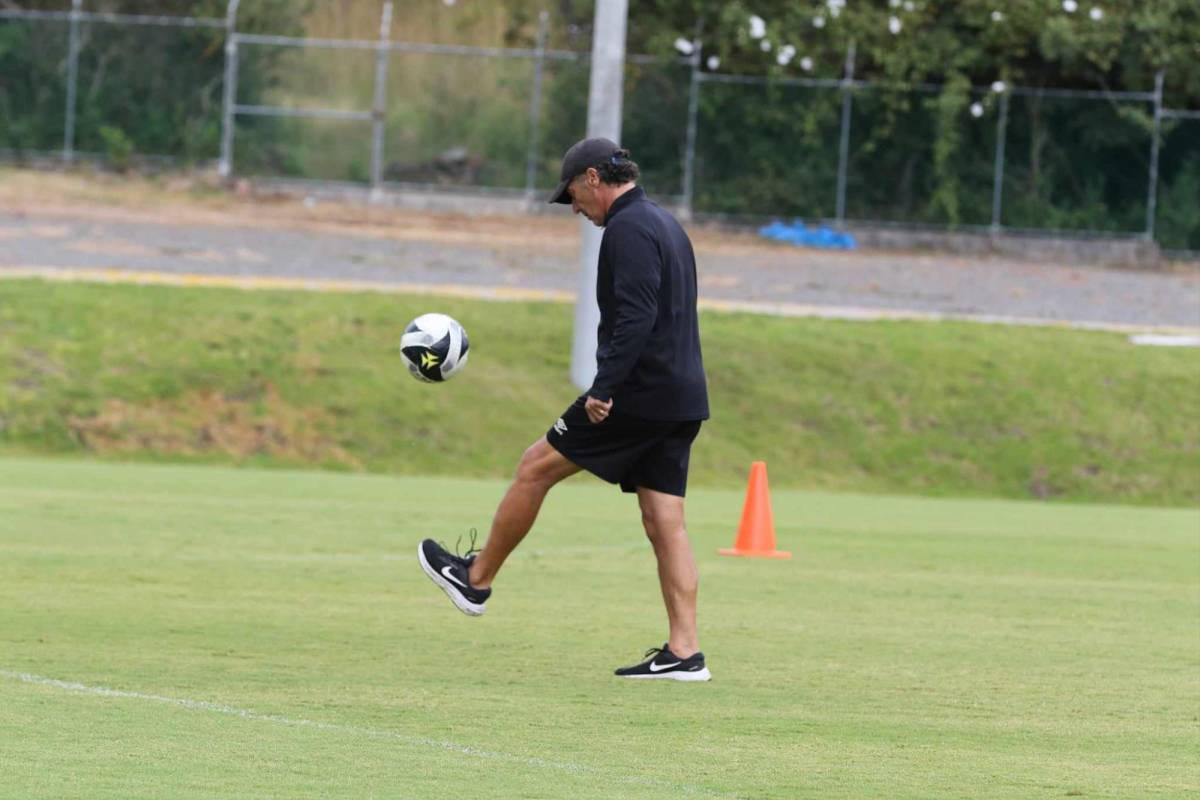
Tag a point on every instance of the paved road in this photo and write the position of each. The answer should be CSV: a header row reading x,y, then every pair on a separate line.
x,y
540,253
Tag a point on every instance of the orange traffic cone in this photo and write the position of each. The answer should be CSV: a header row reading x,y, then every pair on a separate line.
x,y
756,534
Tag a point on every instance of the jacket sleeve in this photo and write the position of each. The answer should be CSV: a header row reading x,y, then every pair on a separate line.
x,y
637,275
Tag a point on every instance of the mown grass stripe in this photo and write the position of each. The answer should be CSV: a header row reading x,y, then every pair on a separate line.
x,y
518,294
357,730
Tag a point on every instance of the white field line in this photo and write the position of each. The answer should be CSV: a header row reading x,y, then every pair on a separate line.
x,y
373,733
512,293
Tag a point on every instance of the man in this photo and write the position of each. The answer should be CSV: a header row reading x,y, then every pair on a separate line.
x,y
636,424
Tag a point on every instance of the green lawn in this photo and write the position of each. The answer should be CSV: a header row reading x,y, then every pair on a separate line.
x,y
251,634
275,378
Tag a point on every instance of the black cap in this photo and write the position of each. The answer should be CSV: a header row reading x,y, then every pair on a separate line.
x,y
583,154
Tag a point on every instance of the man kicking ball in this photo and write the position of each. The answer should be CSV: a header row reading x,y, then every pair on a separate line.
x,y
636,424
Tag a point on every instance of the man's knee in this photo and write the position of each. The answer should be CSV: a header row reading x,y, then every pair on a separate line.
x,y
541,466
650,524
661,519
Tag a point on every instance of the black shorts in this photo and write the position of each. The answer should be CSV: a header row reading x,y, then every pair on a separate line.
x,y
631,451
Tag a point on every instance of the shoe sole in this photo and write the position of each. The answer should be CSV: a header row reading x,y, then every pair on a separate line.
x,y
699,675
461,603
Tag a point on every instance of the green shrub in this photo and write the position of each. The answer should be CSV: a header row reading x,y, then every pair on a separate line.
x,y
118,147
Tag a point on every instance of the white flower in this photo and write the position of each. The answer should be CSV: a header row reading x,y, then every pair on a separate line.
x,y
684,46
895,25
765,45
910,6
894,3
758,28
976,110
785,55
818,22
997,16
834,11
999,87
806,64
1070,6
449,2
713,62
1096,13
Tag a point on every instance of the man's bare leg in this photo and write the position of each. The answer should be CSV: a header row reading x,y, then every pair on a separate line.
x,y
662,517
540,469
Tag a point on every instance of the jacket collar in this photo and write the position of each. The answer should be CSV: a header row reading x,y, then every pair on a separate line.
x,y
624,201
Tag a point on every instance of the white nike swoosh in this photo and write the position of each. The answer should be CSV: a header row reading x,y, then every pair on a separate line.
x,y
660,667
449,577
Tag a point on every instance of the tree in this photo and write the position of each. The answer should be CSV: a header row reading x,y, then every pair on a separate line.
x,y
149,90
916,154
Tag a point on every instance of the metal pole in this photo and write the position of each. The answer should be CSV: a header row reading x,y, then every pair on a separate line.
x,y
535,106
72,82
998,175
604,119
379,111
1152,196
844,143
231,70
689,147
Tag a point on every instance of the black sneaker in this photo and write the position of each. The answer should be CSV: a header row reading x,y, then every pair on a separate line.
x,y
452,572
662,663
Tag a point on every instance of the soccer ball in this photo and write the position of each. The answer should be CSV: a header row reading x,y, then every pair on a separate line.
x,y
434,348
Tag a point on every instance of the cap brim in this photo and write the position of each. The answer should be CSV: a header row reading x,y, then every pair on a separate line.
x,y
561,195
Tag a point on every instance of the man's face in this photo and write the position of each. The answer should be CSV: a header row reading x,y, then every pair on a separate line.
x,y
585,199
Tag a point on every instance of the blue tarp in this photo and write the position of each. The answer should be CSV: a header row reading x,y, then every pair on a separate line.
x,y
797,233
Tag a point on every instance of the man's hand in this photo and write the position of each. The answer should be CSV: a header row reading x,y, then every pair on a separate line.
x,y
597,411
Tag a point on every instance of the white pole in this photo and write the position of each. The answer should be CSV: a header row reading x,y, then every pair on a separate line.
x,y
535,107
844,140
689,144
604,119
72,82
379,107
1152,197
230,89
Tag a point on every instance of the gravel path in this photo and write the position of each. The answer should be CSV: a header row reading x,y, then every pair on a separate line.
x,y
542,253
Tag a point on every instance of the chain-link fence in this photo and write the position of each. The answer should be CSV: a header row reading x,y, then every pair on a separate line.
x,y
833,149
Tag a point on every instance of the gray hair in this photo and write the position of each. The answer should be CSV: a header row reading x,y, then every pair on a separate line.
x,y
618,169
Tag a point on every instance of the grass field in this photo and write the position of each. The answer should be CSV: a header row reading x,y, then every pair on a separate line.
x,y
314,379
189,631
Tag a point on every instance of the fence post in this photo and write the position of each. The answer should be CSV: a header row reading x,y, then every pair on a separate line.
x,y
844,143
535,106
379,110
998,176
689,147
1152,197
231,70
72,82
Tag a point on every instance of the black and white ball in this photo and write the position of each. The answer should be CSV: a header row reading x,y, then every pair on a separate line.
x,y
434,348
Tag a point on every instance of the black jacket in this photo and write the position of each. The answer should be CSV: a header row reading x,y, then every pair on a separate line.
x,y
648,352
